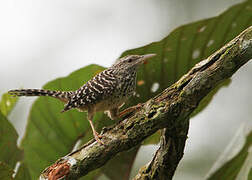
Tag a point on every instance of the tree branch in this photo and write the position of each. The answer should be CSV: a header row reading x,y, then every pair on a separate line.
x,y
169,109
167,157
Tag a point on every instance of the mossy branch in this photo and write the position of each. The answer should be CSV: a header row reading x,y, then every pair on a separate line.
x,y
170,110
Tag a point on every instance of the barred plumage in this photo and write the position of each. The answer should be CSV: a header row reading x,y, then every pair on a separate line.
x,y
61,95
95,90
107,91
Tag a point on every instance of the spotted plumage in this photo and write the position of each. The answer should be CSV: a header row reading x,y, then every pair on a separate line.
x,y
107,91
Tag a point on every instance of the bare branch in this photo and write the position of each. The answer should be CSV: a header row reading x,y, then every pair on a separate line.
x,y
170,109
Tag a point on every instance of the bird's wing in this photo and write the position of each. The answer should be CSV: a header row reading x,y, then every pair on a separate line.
x,y
95,90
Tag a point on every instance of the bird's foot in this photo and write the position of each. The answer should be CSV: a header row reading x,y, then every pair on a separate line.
x,y
98,138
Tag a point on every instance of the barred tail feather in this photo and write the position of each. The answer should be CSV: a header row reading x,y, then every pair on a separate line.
x,y
62,95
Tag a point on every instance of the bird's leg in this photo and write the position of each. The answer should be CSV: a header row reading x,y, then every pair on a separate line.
x,y
96,134
113,113
130,109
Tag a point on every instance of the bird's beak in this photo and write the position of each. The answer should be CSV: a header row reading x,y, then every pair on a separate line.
x,y
147,56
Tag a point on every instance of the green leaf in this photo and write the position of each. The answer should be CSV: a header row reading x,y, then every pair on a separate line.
x,y
93,175
7,103
186,46
10,153
235,162
51,134
120,166
5,172
23,173
250,174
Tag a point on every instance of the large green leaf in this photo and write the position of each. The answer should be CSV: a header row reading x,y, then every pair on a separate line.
x,y
186,46
10,153
5,172
120,166
23,173
235,162
50,134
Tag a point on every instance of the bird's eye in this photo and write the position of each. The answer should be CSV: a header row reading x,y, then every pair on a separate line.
x,y
130,60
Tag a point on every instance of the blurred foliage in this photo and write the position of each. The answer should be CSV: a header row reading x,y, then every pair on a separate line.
x,y
240,166
23,173
5,171
120,166
51,135
7,103
9,152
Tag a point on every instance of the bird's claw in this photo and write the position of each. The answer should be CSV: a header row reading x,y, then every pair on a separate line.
x,y
98,138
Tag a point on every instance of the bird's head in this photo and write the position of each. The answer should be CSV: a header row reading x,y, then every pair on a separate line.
x,y
132,61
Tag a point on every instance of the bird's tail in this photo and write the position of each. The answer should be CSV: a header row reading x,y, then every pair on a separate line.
x,y
61,95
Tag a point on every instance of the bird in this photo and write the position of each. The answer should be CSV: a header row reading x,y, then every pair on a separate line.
x,y
107,91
